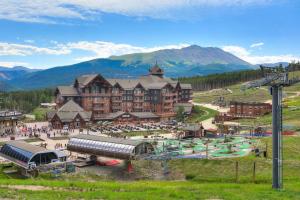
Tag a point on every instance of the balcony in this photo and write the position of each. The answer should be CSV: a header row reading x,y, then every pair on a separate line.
x,y
168,107
168,100
96,94
168,94
98,108
138,94
116,100
116,107
138,100
117,94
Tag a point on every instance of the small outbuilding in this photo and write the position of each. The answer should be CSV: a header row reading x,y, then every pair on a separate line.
x,y
109,147
193,130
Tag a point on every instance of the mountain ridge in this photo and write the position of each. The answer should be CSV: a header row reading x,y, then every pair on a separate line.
x,y
189,61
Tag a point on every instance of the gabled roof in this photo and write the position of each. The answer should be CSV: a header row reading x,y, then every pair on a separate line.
x,y
185,86
70,106
142,115
124,83
157,85
85,79
69,111
192,127
113,115
67,91
156,70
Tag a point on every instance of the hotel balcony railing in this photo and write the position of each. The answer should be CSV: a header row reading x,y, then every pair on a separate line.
x,y
168,94
138,100
98,108
168,100
116,107
168,107
96,94
138,94
116,94
116,100
139,107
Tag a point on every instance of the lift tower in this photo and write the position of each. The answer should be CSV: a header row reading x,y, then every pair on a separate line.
x,y
276,78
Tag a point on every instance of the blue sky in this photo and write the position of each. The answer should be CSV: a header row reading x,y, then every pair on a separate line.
x,y
48,33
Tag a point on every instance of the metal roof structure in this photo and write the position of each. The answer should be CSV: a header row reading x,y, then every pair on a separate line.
x,y
109,147
24,154
8,115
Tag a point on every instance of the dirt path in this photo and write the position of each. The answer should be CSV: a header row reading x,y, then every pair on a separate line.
x,y
207,124
27,187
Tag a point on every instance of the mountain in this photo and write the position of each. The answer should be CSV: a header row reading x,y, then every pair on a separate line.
x,y
7,73
191,55
189,61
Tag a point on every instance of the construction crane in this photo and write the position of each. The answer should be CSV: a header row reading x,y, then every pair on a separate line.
x,y
276,78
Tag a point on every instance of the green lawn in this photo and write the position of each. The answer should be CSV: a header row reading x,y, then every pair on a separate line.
x,y
151,190
201,113
40,113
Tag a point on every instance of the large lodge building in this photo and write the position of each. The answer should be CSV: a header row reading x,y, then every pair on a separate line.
x,y
148,98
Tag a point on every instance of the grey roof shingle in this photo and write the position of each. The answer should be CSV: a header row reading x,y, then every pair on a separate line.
x,y
157,85
85,79
192,127
70,106
124,83
186,86
67,91
69,111
142,115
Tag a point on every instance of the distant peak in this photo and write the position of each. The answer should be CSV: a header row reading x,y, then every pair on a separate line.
x,y
193,46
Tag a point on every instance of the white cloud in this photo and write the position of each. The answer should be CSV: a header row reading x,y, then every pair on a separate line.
x,y
29,41
103,49
259,44
95,49
13,64
100,49
12,49
254,59
44,11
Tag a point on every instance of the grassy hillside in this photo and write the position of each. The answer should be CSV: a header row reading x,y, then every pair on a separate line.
x,y
234,93
201,113
206,179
